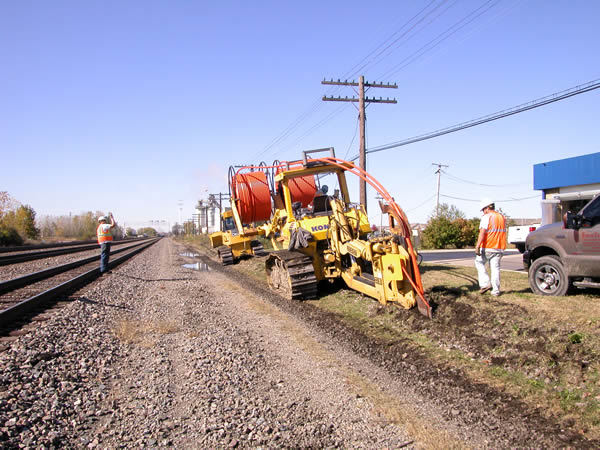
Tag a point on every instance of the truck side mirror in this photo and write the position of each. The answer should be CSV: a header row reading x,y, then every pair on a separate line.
x,y
573,221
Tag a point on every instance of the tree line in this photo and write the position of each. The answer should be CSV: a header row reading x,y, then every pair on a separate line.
x,y
18,223
447,226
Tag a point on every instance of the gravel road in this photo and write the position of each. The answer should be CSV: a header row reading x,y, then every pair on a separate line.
x,y
157,355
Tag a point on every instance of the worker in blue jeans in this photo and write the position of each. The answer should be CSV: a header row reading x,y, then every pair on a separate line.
x,y
104,239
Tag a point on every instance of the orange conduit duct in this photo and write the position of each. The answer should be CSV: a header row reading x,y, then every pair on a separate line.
x,y
363,175
387,197
253,196
302,189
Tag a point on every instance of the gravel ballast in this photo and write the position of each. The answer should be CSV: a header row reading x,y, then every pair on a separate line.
x,y
158,355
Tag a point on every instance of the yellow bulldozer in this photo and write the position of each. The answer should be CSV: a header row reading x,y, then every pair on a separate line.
x,y
235,240
319,237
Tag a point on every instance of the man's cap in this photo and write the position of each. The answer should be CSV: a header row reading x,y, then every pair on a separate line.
x,y
101,218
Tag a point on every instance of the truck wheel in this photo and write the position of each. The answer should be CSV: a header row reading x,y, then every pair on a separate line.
x,y
547,276
520,247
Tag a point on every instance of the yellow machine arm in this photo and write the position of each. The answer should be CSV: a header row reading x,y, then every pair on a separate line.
x,y
386,256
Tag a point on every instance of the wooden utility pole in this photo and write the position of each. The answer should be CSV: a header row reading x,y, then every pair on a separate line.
x,y
439,174
362,101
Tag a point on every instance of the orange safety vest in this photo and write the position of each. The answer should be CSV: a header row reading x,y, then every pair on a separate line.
x,y
496,232
103,236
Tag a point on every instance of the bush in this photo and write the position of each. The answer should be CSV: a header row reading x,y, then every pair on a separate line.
x,y
468,232
9,236
441,233
447,227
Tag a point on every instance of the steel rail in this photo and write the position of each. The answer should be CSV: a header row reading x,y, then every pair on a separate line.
x,y
22,248
15,283
10,315
22,257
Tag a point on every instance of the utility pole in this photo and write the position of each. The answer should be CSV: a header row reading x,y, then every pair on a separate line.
x,y
222,196
439,174
362,101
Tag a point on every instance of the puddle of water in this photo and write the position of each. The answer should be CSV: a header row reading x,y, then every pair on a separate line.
x,y
203,267
189,255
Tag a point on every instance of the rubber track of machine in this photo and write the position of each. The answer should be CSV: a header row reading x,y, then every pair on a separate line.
x,y
225,255
301,272
258,249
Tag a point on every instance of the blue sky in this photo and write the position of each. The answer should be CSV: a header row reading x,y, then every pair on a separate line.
x,y
135,106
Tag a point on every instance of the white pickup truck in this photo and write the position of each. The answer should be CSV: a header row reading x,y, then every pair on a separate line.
x,y
518,234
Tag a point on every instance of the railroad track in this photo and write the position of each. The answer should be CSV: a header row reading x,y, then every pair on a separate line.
x,y
30,293
14,255
21,248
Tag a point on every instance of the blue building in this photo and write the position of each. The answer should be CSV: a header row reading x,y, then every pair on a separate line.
x,y
566,184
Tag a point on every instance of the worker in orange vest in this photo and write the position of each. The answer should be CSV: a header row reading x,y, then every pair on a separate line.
x,y
491,244
104,239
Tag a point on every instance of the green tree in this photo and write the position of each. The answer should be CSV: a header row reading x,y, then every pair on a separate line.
x,y
447,227
22,219
149,231
9,236
450,212
469,230
26,222
440,232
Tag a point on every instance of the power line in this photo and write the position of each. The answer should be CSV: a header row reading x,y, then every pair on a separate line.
x,y
374,60
476,200
496,15
317,126
311,110
353,137
457,26
421,204
562,95
290,128
452,177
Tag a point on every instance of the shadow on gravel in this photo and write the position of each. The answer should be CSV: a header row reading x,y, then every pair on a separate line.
x,y
94,302
155,279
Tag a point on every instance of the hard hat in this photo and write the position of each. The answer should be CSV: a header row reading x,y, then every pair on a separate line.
x,y
101,218
485,202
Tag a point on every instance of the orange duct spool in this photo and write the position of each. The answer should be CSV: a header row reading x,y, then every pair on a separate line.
x,y
254,198
302,189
